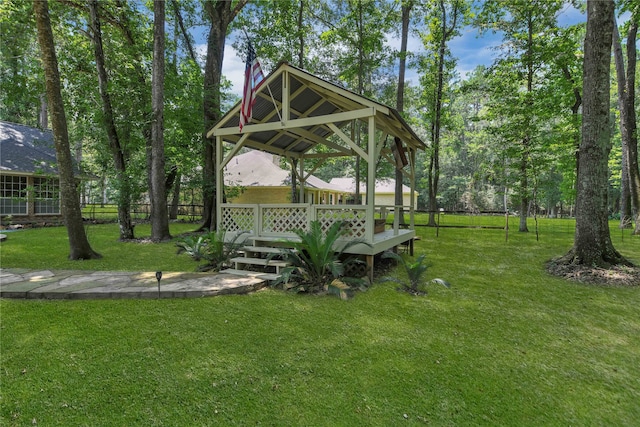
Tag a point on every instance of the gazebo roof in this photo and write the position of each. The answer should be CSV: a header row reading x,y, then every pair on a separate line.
x,y
310,110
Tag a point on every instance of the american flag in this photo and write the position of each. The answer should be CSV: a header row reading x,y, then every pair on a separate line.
x,y
253,78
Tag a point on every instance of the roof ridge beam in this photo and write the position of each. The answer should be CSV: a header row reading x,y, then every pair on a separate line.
x,y
307,121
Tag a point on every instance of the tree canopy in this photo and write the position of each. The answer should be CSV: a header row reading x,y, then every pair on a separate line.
x,y
505,136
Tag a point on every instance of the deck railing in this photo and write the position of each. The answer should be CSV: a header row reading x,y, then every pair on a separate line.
x,y
284,219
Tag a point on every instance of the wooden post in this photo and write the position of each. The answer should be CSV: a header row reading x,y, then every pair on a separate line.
x,y
219,174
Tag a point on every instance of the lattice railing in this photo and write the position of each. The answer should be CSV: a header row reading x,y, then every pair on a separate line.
x,y
354,219
238,218
284,219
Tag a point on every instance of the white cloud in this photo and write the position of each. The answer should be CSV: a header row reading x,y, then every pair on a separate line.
x,y
233,68
414,44
232,65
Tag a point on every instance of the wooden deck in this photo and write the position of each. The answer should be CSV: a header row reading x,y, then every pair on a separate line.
x,y
266,225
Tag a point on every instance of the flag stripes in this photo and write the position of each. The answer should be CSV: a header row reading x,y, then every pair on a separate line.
x,y
253,78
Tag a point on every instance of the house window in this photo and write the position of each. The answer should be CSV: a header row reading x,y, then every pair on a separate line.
x,y
46,196
13,195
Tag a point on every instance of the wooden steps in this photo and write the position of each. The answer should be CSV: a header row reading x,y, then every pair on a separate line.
x,y
254,250
263,258
263,262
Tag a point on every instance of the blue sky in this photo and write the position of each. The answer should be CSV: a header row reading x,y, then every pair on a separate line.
x,y
470,48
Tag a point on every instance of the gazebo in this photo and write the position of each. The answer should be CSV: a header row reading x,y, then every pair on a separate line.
x,y
306,119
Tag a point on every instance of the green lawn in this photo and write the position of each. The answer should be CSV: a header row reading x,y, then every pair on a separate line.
x,y
506,345
48,248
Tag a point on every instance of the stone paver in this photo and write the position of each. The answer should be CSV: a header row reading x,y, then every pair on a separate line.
x,y
65,284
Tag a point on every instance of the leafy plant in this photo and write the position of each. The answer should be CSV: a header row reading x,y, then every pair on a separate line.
x,y
193,246
316,263
415,270
212,248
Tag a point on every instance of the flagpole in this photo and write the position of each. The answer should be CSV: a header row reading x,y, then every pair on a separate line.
x,y
275,104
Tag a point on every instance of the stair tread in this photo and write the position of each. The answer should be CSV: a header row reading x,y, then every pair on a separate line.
x,y
260,261
256,274
262,249
279,240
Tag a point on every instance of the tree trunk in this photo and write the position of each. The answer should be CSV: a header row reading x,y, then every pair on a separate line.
x,y
626,214
399,176
527,140
625,194
575,109
524,199
632,144
434,163
79,247
592,243
301,33
175,200
157,189
119,159
294,181
43,119
220,16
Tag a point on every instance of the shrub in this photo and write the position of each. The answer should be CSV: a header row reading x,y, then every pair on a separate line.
x,y
414,284
316,264
212,248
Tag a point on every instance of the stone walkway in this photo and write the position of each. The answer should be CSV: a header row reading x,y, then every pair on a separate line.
x,y
76,284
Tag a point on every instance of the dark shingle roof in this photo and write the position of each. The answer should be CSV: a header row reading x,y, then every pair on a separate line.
x,y
24,149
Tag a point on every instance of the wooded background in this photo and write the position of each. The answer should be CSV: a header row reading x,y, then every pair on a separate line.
x,y
503,137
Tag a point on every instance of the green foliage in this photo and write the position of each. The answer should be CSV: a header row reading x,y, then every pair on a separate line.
x,y
22,81
211,247
317,259
194,246
415,283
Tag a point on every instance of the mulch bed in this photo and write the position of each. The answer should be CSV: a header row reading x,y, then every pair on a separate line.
x,y
612,276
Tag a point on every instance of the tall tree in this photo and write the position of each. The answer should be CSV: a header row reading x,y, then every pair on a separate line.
x,y
282,31
626,77
517,105
220,14
183,87
70,203
406,7
592,243
355,39
445,18
157,179
117,150
566,93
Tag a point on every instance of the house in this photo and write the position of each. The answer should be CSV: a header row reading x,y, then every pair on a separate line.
x,y
256,177
385,191
302,117
29,184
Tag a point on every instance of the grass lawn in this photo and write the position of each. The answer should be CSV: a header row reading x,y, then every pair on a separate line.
x,y
48,248
506,345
